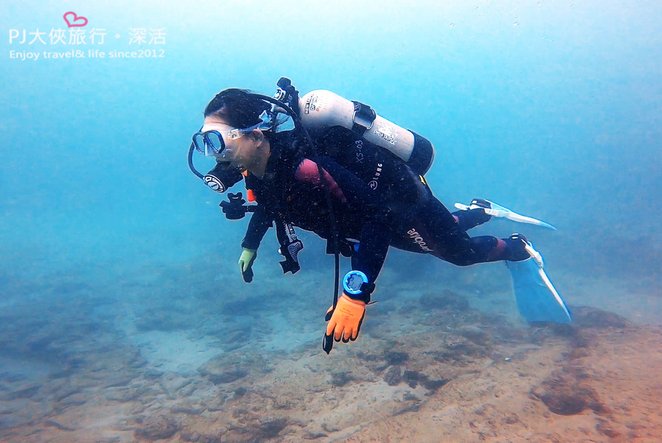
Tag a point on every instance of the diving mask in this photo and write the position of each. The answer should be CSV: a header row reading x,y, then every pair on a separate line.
x,y
212,143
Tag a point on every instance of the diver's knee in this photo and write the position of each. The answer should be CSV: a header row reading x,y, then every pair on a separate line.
x,y
483,245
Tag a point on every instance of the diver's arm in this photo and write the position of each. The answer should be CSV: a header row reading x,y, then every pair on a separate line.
x,y
257,227
347,187
346,315
373,246
375,232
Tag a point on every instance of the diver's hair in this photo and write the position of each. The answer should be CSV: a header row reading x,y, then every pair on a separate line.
x,y
237,107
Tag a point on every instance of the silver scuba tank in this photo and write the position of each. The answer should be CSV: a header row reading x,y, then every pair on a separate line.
x,y
321,109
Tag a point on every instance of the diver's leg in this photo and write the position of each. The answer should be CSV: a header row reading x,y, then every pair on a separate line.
x,y
443,235
537,299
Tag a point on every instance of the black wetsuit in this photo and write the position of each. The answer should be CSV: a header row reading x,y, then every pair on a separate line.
x,y
377,200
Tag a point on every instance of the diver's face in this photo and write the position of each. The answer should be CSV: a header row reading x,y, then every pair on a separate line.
x,y
240,149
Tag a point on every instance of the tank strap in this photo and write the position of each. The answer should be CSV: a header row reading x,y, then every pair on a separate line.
x,y
363,117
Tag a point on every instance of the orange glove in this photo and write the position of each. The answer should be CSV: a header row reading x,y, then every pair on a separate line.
x,y
346,319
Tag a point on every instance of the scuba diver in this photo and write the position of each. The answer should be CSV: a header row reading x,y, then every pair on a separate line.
x,y
356,180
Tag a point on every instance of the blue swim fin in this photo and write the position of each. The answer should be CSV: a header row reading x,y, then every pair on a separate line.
x,y
537,299
496,210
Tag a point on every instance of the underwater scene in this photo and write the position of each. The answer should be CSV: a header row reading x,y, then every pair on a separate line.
x,y
454,213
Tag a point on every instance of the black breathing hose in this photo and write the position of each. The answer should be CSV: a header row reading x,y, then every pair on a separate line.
x,y
190,162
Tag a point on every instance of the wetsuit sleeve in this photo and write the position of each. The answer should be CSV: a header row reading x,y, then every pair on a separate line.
x,y
375,232
373,246
257,227
346,187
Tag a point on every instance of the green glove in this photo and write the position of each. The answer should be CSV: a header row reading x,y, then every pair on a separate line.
x,y
246,260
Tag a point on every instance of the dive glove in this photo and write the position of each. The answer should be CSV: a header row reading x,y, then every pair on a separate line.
x,y
345,320
246,260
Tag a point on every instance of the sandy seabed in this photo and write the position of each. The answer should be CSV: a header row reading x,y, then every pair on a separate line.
x,y
87,369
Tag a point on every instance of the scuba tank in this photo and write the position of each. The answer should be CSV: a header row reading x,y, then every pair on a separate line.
x,y
321,109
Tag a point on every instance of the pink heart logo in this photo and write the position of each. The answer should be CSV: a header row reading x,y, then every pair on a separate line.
x,y
73,20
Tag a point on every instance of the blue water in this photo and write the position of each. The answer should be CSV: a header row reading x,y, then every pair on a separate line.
x,y
551,108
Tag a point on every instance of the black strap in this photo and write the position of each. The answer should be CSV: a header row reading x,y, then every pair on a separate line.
x,y
363,118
